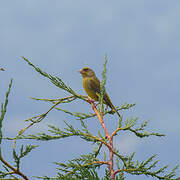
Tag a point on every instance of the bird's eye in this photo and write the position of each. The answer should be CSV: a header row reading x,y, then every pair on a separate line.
x,y
85,69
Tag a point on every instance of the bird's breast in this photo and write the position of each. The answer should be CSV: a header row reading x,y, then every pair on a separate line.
x,y
89,90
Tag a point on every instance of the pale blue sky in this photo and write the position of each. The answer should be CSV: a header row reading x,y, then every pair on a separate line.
x,y
141,39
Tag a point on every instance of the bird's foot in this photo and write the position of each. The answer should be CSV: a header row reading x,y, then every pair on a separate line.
x,y
91,101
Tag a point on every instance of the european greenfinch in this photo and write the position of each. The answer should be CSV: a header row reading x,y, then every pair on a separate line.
x,y
91,85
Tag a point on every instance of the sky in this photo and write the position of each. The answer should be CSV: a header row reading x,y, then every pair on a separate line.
x,y
141,39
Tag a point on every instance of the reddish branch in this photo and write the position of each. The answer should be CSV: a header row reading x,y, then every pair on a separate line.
x,y
100,118
100,162
14,170
110,138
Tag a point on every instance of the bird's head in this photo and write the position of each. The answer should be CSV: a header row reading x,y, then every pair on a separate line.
x,y
87,72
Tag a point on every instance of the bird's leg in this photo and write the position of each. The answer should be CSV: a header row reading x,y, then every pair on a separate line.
x,y
89,100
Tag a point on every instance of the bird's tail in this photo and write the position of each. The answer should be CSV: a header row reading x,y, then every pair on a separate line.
x,y
115,110
109,103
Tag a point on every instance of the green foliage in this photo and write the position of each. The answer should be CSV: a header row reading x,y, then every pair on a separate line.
x,y
107,176
87,165
54,79
3,109
23,152
9,170
102,85
131,122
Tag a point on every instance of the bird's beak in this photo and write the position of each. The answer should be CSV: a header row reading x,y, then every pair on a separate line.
x,y
80,71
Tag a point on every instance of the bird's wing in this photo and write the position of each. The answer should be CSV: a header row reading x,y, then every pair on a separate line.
x,y
94,85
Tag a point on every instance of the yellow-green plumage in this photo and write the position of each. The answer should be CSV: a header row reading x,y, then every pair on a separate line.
x,y
91,85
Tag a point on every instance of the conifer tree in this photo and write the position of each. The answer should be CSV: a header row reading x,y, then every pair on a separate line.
x,y
86,166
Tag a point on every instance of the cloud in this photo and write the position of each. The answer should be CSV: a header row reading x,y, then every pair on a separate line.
x,y
126,144
12,125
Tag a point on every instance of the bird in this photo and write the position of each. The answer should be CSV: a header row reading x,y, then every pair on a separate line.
x,y
91,85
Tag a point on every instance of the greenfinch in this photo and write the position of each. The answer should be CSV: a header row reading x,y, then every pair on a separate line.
x,y
91,85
